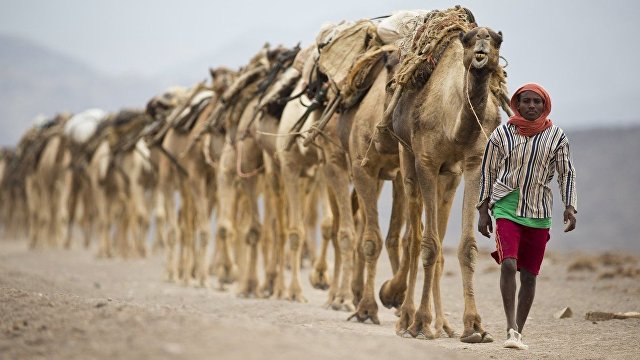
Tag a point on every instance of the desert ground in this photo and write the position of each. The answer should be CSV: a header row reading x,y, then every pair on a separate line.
x,y
66,304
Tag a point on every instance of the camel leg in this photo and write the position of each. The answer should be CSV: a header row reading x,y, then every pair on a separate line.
x,y
310,220
34,216
141,219
357,282
468,254
249,286
268,238
296,228
63,191
337,261
319,276
412,192
279,248
173,231
187,241
395,223
105,250
203,228
228,198
274,279
87,220
447,185
49,232
269,229
430,245
367,188
119,211
72,205
393,290
337,170
159,240
242,224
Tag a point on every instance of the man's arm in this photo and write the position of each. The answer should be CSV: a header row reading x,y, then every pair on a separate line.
x,y
567,182
485,226
569,218
487,178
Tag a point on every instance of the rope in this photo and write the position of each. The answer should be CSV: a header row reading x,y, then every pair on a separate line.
x,y
283,134
205,151
471,106
326,136
313,128
239,164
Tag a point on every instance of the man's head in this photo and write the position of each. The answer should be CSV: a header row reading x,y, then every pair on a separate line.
x,y
531,102
530,105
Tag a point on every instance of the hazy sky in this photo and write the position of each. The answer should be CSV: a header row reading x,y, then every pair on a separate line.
x,y
584,53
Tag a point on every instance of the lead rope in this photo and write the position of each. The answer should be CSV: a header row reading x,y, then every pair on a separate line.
x,y
471,106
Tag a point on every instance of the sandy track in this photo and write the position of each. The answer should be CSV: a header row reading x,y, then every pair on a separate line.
x,y
67,304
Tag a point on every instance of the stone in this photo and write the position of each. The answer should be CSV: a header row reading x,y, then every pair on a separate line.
x,y
564,313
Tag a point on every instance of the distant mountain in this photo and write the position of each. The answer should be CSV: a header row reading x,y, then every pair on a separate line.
x,y
36,80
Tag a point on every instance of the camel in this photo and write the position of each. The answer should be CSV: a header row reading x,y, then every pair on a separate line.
x,y
298,166
443,123
48,185
192,172
5,158
13,203
112,157
246,155
382,163
82,209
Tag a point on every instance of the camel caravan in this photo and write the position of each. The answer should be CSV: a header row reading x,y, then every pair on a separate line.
x,y
298,141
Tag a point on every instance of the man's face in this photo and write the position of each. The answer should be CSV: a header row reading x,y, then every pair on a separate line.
x,y
530,105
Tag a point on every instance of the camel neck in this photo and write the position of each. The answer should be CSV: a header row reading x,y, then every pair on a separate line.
x,y
476,95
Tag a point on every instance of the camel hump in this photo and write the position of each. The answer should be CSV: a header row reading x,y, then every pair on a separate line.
x,y
399,25
338,56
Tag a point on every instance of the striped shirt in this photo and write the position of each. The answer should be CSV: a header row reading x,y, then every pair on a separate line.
x,y
515,161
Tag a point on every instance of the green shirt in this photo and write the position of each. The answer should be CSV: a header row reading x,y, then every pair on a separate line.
x,y
505,208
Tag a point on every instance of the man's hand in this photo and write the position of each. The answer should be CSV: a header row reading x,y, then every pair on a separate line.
x,y
569,218
485,226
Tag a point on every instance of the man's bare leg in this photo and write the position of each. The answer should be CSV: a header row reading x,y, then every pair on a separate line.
x,y
508,290
525,297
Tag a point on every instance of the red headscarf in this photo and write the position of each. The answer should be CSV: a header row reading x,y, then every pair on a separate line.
x,y
527,127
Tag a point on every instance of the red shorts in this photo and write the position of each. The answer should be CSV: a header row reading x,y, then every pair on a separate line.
x,y
523,243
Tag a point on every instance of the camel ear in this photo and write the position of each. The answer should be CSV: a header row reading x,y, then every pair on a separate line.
x,y
212,72
499,38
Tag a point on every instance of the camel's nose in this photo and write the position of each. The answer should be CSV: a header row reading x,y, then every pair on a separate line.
x,y
482,46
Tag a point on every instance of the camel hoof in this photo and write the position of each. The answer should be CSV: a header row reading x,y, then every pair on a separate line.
x,y
445,332
319,279
406,334
297,298
391,296
363,318
343,306
486,337
474,338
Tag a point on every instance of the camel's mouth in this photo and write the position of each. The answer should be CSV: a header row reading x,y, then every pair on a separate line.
x,y
480,59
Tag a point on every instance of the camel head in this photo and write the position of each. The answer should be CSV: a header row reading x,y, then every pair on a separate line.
x,y
481,48
221,78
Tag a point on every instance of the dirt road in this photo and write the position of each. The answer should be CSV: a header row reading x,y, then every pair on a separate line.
x,y
58,304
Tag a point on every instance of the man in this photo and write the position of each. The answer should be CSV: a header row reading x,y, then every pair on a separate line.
x,y
518,164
